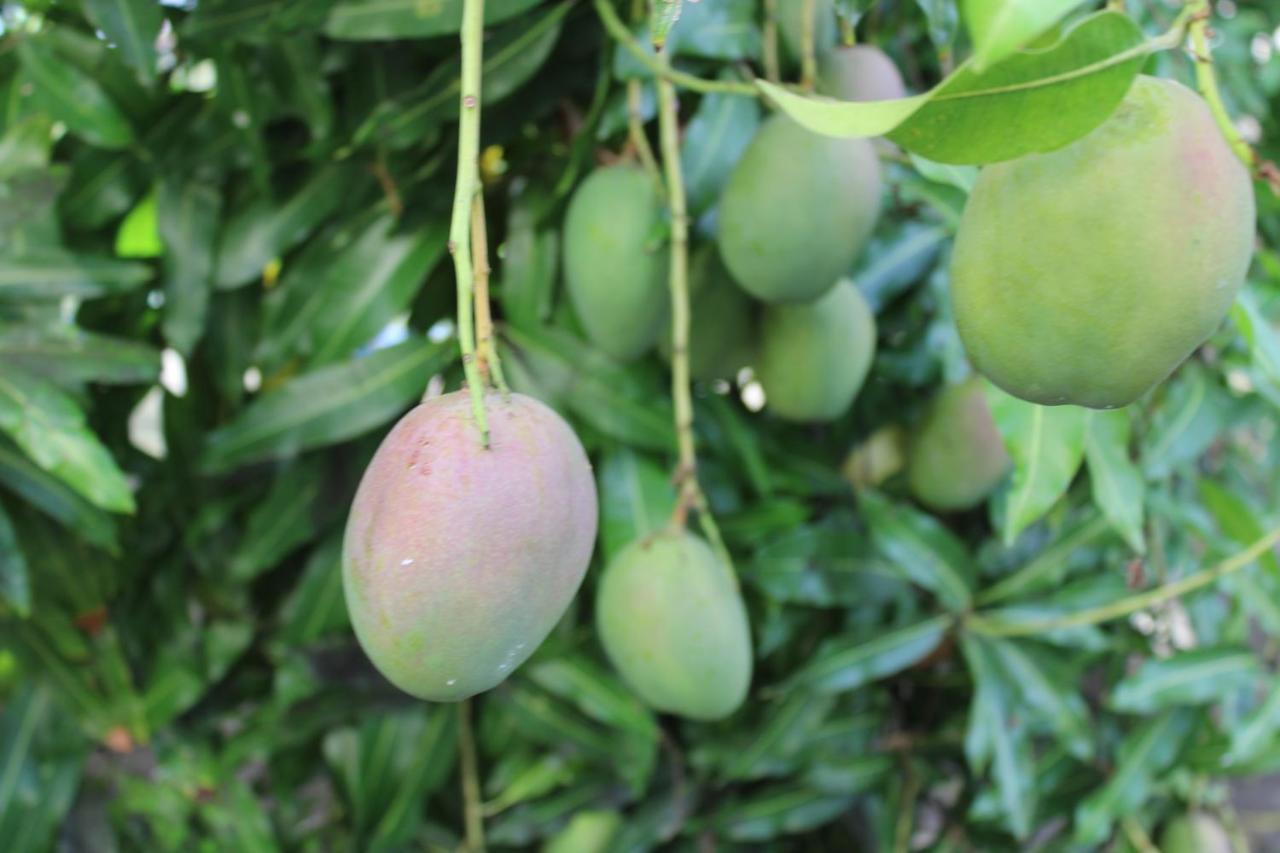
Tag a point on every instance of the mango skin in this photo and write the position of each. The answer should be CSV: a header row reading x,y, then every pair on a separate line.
x,y
615,270
1195,833
1087,275
458,561
957,456
859,73
724,322
797,210
672,621
814,357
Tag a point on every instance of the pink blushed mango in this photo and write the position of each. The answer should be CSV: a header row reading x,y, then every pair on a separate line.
x,y
459,560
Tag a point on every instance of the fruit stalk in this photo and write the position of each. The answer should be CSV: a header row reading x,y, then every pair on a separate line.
x,y
772,70
808,49
1207,81
1131,604
490,368
472,807
466,187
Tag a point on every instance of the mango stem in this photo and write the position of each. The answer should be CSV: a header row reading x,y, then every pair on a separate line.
x,y
472,807
808,45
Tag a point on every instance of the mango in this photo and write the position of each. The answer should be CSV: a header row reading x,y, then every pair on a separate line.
x,y
587,832
672,621
957,457
459,560
615,265
859,72
1088,274
814,357
797,210
723,325
1195,833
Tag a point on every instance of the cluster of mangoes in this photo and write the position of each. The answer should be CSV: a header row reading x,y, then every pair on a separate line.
x,y
1084,275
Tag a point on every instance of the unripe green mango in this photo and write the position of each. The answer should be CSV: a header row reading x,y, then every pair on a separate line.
x,y
586,832
797,210
814,357
791,27
459,560
672,621
1194,833
859,72
615,266
724,323
957,456
1088,274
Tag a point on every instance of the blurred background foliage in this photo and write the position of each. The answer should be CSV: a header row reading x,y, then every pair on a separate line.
x,y
223,275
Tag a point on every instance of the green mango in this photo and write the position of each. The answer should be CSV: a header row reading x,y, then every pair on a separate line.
x,y
797,210
723,326
1088,274
814,357
957,456
615,263
672,621
859,72
586,832
458,559
1194,833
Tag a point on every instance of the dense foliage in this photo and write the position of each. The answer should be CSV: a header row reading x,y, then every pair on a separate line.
x,y
223,275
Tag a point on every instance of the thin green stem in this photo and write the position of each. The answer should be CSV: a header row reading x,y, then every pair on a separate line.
x,y
1207,81
473,808
993,627
465,189
490,367
635,132
618,30
772,68
808,45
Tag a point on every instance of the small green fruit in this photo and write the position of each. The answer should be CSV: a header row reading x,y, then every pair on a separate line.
x,y
672,621
815,357
1194,833
724,327
615,266
1088,274
797,210
586,832
957,457
459,560
859,73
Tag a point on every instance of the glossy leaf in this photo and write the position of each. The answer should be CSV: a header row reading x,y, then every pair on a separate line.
x,y
133,26
56,499
921,548
714,139
53,273
1069,89
1189,678
853,662
636,499
999,28
67,355
188,218
1047,446
1118,488
15,586
778,812
72,96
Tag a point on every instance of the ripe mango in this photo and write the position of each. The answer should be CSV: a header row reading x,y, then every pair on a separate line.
x,y
459,560
957,456
1086,275
724,322
797,210
814,357
615,265
673,623
859,72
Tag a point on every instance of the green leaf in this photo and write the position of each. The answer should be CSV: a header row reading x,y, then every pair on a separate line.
x,y
54,273
432,753
596,692
1238,520
15,586
921,548
139,235
56,499
50,427
133,25
316,606
1000,28
1196,677
850,662
1049,566
328,405
714,139
1045,694
788,728
774,812
636,499
1031,103
260,232
662,17
188,217
1258,333
284,519
403,19
345,290
1143,757
1190,416
726,29
72,96
1257,730
68,356
1118,489
1047,447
